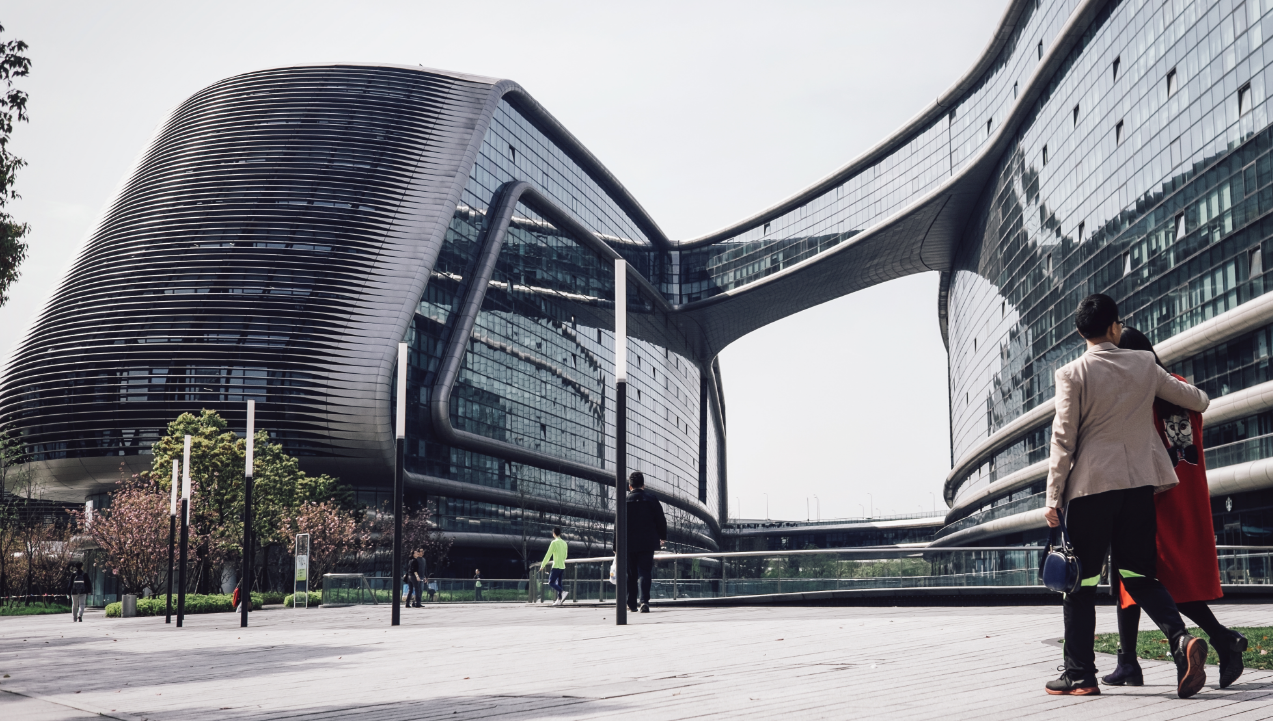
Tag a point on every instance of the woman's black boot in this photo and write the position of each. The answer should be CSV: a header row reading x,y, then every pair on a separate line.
x,y
1127,673
1231,665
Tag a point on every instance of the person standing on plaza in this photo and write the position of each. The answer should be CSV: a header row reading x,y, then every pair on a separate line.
x,y
77,588
647,532
1107,462
414,582
477,584
557,551
1187,562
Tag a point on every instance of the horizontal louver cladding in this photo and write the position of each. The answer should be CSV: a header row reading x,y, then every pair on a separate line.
x,y
264,249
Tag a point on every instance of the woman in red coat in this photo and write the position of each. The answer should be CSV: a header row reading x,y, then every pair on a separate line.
x,y
1187,563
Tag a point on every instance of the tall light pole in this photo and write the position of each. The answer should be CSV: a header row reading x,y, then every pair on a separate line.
x,y
862,507
172,535
817,505
185,535
620,442
401,442
245,578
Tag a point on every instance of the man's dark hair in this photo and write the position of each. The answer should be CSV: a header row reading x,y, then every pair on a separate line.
x,y
556,531
79,565
637,479
1095,315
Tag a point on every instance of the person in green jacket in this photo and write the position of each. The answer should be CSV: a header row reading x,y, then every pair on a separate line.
x,y
557,551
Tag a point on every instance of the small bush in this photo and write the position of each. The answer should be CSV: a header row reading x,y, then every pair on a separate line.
x,y
315,599
269,597
195,603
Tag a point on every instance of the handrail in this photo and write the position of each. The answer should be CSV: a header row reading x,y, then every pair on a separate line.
x,y
868,551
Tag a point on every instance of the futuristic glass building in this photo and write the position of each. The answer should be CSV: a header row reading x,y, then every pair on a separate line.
x,y
287,228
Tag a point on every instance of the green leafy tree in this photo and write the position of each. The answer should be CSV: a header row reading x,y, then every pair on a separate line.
x,y
13,108
217,458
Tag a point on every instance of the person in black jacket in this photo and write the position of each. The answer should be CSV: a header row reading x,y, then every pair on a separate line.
x,y
77,588
647,532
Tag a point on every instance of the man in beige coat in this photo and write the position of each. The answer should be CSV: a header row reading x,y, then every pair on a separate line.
x,y
1106,465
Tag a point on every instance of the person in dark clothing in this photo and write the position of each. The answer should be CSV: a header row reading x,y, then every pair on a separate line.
x,y
647,532
77,588
477,584
414,570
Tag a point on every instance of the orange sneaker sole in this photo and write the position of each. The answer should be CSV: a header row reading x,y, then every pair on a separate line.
x,y
1196,675
1084,691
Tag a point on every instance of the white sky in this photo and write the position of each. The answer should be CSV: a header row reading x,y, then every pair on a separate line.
x,y
706,111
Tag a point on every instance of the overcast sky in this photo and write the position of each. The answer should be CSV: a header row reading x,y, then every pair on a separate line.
x,y
707,112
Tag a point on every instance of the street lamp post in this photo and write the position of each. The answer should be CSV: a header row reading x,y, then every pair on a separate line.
x,y
245,579
818,506
620,442
401,448
172,536
185,535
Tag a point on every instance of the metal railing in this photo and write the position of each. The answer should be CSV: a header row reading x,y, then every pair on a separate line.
x,y
723,575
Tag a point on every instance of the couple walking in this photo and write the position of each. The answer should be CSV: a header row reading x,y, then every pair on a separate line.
x,y
647,532
1127,477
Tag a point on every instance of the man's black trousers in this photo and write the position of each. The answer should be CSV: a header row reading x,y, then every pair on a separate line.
x,y
1123,523
640,564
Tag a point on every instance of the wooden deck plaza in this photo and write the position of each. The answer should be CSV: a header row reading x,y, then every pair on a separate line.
x,y
540,662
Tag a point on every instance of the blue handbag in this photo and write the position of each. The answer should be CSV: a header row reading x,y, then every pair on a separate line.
x,y
1061,571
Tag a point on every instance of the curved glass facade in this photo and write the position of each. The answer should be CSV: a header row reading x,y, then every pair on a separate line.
x,y
1143,172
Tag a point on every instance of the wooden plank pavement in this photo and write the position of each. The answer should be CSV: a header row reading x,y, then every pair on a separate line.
x,y
540,662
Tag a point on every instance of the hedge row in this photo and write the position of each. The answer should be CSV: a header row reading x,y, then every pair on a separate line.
x,y
315,599
195,603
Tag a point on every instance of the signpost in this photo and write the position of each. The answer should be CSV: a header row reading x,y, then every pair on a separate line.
x,y
300,588
172,535
245,577
185,535
621,442
400,430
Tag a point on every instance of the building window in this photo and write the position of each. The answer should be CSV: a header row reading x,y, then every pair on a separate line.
x,y
1244,99
1175,152
1082,227
1014,90
1117,61
974,345
512,153
1040,49
988,122
1118,133
952,117
1171,82
1045,155
1049,264
1255,264
1076,116
1180,225
1127,264
766,229
1003,309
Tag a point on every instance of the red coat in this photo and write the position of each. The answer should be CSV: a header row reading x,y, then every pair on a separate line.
x,y
1187,563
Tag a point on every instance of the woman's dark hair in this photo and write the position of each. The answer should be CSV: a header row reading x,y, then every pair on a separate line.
x,y
1135,340
1095,314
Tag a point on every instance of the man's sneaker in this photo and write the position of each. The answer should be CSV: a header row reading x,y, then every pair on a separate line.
x,y
1127,673
1191,671
1069,686
633,609
645,607
1231,665
563,597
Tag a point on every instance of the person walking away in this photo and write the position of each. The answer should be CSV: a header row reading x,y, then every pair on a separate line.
x,y
477,584
432,585
647,532
1187,563
557,551
77,588
414,568
1106,465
